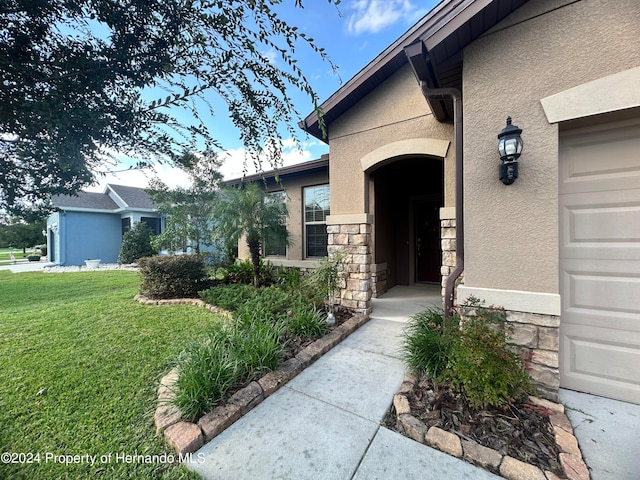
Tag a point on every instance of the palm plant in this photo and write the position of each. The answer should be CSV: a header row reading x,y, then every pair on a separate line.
x,y
248,211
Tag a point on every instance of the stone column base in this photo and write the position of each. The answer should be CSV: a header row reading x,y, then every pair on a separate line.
x,y
355,239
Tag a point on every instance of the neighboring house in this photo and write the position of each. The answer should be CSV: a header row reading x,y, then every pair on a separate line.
x,y
91,225
560,247
305,188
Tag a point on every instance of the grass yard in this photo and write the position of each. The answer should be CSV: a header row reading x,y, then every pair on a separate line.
x,y
5,255
80,363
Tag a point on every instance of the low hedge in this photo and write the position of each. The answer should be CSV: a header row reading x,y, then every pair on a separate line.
x,y
180,276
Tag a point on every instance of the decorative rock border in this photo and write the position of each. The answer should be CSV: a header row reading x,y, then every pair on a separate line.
x,y
187,437
487,458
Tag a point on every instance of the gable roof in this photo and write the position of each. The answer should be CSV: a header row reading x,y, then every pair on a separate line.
x,y
86,200
114,198
132,197
444,32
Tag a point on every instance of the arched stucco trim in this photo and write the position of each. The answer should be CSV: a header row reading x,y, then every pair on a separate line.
x,y
607,94
414,146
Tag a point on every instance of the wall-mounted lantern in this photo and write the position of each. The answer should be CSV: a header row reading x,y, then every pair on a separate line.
x,y
510,148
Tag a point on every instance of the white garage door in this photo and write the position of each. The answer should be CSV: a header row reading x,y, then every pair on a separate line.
x,y
600,260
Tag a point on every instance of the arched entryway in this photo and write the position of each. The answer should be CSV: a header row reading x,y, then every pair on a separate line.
x,y
405,197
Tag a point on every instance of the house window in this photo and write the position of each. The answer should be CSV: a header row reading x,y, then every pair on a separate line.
x,y
316,209
126,225
275,242
153,223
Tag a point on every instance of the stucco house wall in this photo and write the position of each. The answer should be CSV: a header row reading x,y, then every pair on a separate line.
x,y
393,118
90,225
86,236
553,66
293,184
543,48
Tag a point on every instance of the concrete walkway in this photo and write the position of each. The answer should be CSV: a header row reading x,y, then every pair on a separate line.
x,y
325,423
23,266
607,431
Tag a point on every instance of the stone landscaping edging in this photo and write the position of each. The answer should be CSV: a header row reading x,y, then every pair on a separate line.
x,y
187,437
508,467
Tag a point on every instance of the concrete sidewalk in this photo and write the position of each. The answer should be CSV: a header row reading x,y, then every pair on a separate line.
x,y
325,423
24,266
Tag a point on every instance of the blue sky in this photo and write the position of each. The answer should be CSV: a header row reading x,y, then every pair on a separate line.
x,y
352,34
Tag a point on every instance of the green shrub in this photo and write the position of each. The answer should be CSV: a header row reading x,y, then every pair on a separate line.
x,y
428,341
289,278
472,356
136,244
241,272
481,364
306,323
325,279
33,258
180,276
230,297
273,300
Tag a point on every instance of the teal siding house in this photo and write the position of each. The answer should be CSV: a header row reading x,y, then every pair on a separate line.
x,y
90,226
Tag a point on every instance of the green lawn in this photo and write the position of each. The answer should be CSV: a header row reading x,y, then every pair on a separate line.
x,y
5,257
80,363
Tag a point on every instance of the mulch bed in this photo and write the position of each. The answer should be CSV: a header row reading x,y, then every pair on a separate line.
x,y
522,431
294,345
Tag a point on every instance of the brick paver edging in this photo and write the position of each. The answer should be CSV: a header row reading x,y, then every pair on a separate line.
x,y
487,458
187,437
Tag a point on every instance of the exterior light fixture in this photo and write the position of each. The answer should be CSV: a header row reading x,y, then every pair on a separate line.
x,y
510,148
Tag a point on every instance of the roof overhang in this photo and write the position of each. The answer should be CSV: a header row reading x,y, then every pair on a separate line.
x,y
105,210
302,168
444,33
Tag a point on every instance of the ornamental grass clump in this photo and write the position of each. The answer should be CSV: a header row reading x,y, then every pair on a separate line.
x,y
428,341
231,355
471,355
307,323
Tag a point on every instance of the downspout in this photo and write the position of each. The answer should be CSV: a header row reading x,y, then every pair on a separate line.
x,y
441,94
419,61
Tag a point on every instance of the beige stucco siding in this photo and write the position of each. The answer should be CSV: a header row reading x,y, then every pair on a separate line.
x,y
395,111
293,186
295,202
512,231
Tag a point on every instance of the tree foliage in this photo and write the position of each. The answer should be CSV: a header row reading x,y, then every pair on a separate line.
x,y
249,212
136,244
188,211
19,234
77,76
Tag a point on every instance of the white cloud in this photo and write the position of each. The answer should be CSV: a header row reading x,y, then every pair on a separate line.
x,y
375,15
233,165
271,55
171,176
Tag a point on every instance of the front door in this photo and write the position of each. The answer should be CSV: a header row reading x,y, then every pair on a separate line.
x,y
428,251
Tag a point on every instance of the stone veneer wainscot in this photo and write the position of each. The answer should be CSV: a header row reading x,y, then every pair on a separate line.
x,y
355,239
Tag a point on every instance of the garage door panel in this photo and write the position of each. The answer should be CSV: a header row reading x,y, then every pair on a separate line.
x,y
596,361
601,225
583,168
610,296
599,213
